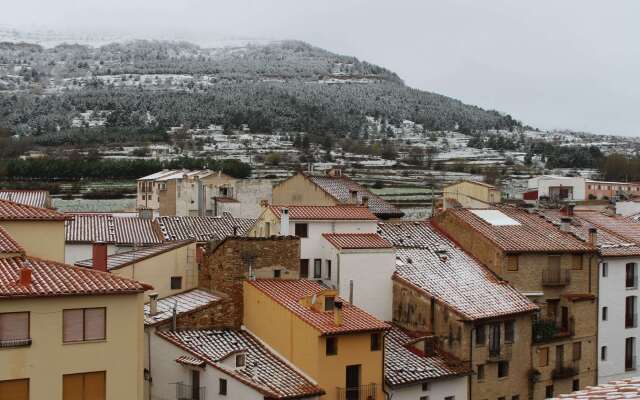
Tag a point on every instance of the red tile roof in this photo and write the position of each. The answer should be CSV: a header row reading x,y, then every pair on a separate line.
x,y
34,198
357,241
622,389
405,364
433,264
340,212
55,279
8,245
620,226
609,243
264,370
203,229
341,187
10,211
288,293
532,233
119,260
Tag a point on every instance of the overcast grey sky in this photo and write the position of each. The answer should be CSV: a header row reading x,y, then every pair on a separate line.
x,y
552,64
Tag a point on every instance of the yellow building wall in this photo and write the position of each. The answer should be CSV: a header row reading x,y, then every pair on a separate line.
x,y
157,271
468,193
42,239
259,229
302,344
298,190
167,199
48,358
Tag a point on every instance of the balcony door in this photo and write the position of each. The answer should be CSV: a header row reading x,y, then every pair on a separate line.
x,y
494,344
195,384
564,319
629,353
353,382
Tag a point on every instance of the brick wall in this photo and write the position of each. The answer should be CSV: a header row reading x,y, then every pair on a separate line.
x,y
226,265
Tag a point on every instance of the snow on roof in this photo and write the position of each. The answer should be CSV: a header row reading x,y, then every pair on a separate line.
x,y
495,217
119,260
203,229
184,302
34,198
622,389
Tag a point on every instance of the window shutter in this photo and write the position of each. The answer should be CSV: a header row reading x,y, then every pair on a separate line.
x,y
73,325
14,326
94,324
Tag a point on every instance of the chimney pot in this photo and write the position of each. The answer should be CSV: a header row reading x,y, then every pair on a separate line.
x,y
354,196
99,251
565,222
284,222
153,303
570,208
337,313
25,276
365,201
593,236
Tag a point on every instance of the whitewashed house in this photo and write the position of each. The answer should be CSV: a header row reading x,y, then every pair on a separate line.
x,y
556,187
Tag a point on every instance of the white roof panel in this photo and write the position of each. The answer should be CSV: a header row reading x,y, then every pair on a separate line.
x,y
495,217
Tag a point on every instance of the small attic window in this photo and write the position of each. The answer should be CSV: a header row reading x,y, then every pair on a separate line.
x,y
241,360
329,303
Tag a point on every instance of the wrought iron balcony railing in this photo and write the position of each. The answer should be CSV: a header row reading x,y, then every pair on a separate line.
x,y
365,392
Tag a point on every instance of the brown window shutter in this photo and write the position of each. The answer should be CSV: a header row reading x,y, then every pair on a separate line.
x,y
73,325
95,386
73,387
17,389
94,324
14,326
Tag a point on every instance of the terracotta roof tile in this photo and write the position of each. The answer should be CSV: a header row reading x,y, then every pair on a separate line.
x,y
184,302
203,229
34,198
341,188
357,241
620,226
8,245
10,211
622,389
264,371
435,265
405,364
119,260
288,294
54,279
530,232
341,212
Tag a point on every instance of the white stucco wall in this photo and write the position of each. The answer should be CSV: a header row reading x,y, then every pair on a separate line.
x,y
311,246
74,252
612,332
544,183
438,390
626,208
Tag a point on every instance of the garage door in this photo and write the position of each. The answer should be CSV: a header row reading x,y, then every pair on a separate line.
x,y
87,386
14,390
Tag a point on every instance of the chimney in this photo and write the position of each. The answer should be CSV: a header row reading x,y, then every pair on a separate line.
x,y
565,222
593,237
337,313
235,230
145,213
100,256
284,222
153,304
365,201
570,208
25,276
354,196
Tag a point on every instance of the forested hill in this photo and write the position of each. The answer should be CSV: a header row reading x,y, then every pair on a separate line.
x,y
286,85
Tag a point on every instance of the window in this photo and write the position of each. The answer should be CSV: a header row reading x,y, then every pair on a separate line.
x,y
425,386
86,386
302,230
267,229
577,351
576,261
329,303
512,263
629,353
176,282
503,369
317,268
277,273
14,329
480,335
543,356
328,269
449,397
375,342
605,270
424,397
480,372
630,318
502,398
560,356
240,360
331,345
575,385
605,312
603,353
515,397
509,331
16,389
84,324
631,278
548,391
304,268
222,386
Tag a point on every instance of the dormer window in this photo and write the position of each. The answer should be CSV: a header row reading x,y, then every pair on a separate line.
x,y
240,360
329,303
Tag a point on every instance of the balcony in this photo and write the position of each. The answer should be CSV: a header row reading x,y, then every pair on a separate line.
x,y
547,330
366,392
567,370
501,353
631,320
15,343
556,277
188,392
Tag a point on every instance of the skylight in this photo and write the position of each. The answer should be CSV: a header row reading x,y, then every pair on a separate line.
x,y
495,217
